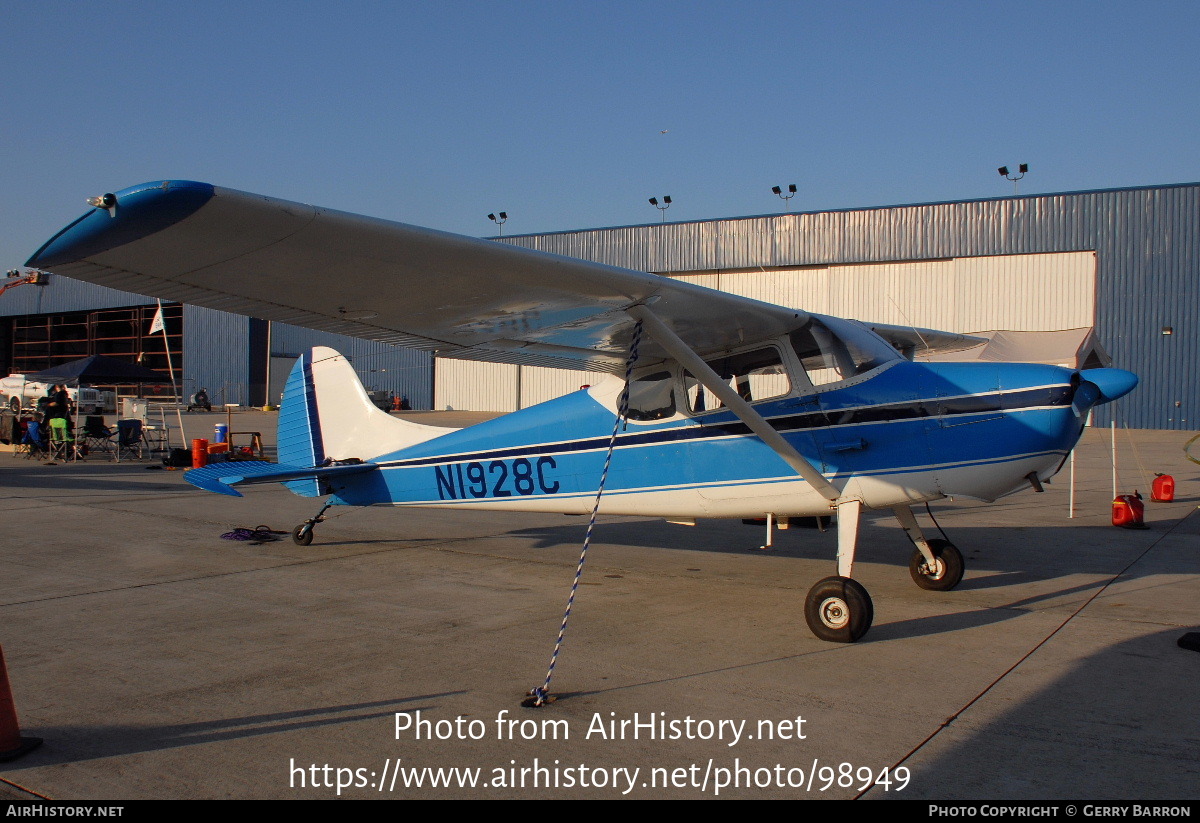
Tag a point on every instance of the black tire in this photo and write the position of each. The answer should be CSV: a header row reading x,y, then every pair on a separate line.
x,y
15,404
302,535
946,576
839,610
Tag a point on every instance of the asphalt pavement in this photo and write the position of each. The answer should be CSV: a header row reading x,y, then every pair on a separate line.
x,y
390,657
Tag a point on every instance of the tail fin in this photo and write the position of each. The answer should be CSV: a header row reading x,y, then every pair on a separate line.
x,y
326,415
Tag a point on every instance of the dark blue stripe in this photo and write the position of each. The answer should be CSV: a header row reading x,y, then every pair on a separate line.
x,y
887,413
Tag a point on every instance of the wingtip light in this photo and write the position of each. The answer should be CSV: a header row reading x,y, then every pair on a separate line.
x,y
107,201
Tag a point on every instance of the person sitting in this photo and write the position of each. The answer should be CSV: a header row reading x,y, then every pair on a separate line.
x,y
33,440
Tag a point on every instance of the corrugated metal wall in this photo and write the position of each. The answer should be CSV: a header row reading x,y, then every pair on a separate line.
x,y
217,357
216,354
1147,244
62,294
500,387
539,384
1028,292
475,386
382,366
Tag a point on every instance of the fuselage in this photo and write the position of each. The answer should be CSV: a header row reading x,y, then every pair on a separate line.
x,y
901,433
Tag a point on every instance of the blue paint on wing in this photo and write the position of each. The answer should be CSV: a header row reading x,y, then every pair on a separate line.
x,y
140,212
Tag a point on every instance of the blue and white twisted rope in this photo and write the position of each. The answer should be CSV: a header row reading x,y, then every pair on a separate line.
x,y
540,693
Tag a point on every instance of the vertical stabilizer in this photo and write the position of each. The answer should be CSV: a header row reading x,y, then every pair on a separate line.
x,y
326,415
300,427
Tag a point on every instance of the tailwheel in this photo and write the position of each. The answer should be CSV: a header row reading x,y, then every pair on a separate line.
x,y
944,574
302,535
839,610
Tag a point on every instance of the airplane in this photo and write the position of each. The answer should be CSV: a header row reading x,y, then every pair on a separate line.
x,y
715,405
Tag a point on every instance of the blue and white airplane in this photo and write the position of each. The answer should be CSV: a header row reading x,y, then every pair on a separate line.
x,y
736,408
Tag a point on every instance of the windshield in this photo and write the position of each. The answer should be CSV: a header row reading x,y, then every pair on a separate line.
x,y
831,349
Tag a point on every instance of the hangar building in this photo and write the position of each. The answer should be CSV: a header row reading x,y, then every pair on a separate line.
x,y
1123,263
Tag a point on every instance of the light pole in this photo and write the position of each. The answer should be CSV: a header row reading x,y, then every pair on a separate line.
x,y
785,197
663,208
499,221
1022,170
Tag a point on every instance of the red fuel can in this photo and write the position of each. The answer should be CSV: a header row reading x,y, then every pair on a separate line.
x,y
1163,489
1127,511
200,455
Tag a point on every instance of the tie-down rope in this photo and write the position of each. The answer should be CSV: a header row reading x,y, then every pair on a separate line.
x,y
539,696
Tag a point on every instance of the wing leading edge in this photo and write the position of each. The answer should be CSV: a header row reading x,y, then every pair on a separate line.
x,y
459,296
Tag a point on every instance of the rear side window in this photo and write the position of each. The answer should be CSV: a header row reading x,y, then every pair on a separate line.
x,y
754,375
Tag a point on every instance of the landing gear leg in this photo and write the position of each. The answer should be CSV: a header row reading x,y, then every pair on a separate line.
x,y
302,535
935,565
770,544
838,608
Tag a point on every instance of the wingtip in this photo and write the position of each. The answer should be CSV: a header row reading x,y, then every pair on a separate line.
x,y
137,211
213,479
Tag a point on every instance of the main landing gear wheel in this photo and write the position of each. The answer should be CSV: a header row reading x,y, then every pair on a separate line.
x,y
838,609
302,535
942,577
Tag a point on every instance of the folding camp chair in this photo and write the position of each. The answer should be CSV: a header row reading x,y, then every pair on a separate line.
x,y
97,437
32,444
62,439
129,439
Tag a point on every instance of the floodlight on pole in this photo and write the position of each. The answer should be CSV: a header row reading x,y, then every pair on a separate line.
x,y
499,221
785,197
666,204
1021,172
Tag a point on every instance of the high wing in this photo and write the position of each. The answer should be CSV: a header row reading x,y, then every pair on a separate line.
x,y
924,342
319,268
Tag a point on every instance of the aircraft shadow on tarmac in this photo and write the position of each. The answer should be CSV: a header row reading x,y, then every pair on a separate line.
x,y
74,744
1121,724
999,549
87,480
1009,560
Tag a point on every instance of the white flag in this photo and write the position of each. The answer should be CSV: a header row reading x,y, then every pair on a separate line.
x,y
158,324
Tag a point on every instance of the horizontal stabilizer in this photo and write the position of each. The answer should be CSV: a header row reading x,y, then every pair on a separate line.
x,y
222,477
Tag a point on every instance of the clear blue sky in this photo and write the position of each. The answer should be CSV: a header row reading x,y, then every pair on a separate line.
x,y
554,112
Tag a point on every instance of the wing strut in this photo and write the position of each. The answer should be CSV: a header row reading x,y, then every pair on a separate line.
x,y
732,400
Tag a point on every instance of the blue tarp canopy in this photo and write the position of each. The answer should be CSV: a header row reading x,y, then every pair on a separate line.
x,y
99,369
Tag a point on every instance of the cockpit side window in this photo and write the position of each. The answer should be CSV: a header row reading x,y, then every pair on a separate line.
x,y
652,396
831,350
754,375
